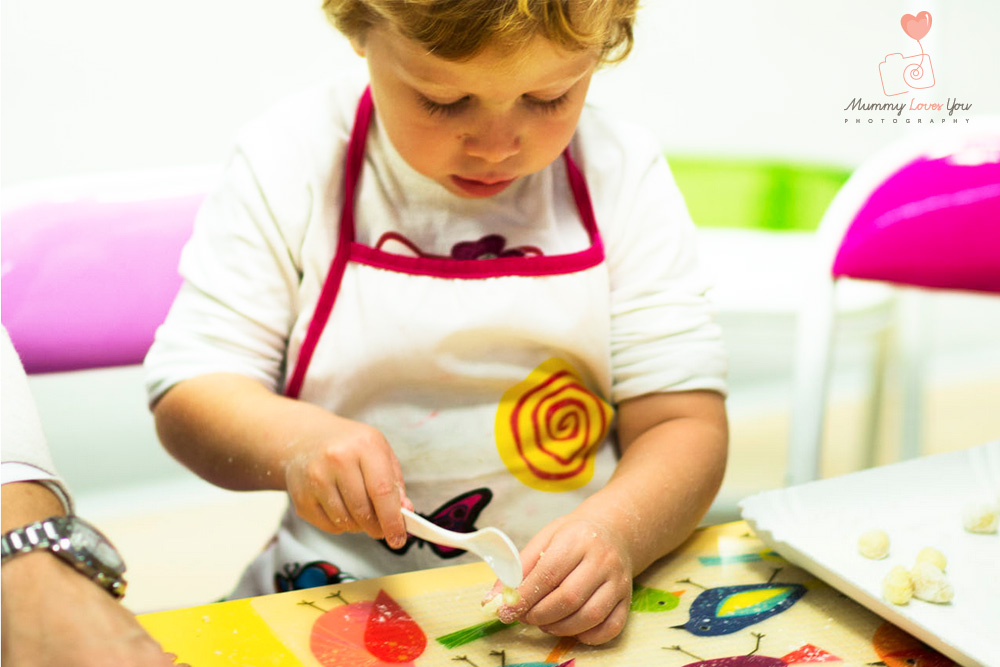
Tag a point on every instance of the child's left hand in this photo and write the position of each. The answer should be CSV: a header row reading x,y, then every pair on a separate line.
x,y
578,582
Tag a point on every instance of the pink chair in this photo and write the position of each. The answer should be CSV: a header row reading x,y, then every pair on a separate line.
x,y
90,265
924,213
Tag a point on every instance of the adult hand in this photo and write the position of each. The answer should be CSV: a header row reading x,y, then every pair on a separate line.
x,y
52,615
578,582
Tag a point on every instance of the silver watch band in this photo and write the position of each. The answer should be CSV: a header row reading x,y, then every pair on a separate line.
x,y
38,535
53,535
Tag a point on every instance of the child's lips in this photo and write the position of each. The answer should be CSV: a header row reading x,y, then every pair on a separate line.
x,y
481,187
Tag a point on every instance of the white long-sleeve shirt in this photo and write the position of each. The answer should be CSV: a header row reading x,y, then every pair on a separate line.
x,y
434,361
264,240
25,451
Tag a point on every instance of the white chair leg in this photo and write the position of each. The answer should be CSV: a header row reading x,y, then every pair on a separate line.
x,y
912,346
813,354
873,415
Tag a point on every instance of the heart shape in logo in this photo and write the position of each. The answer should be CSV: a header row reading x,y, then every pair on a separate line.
x,y
916,26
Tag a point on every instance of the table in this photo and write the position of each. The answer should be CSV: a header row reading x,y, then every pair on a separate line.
x,y
723,599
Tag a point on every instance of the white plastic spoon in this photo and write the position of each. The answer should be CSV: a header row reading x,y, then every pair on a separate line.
x,y
490,544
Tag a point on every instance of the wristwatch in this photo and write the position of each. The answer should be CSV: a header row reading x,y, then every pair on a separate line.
x,y
76,542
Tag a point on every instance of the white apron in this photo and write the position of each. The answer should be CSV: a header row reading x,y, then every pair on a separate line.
x,y
489,378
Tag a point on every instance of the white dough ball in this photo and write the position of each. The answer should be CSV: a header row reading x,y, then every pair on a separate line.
x,y
930,584
981,517
873,544
897,587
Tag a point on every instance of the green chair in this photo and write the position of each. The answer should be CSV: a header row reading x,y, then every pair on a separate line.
x,y
756,221
756,194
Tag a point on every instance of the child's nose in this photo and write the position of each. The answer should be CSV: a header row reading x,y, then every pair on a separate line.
x,y
493,142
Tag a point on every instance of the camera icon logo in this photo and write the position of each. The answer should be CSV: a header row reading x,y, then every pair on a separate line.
x,y
900,75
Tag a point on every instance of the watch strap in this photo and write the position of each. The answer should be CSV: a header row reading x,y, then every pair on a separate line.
x,y
23,540
53,535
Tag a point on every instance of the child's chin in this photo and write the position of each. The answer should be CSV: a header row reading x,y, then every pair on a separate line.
x,y
476,189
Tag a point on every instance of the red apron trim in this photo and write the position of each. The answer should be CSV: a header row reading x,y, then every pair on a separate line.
x,y
581,195
348,249
331,286
542,265
479,269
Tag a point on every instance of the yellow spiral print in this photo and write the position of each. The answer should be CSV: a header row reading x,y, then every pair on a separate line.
x,y
548,428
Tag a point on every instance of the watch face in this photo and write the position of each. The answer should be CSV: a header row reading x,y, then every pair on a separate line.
x,y
83,538
107,555
88,540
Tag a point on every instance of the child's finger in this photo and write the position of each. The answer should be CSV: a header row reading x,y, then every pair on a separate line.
x,y
564,601
310,508
588,615
609,628
401,484
536,548
550,567
354,492
594,624
338,518
383,489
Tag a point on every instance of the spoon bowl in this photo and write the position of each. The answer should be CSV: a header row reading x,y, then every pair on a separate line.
x,y
490,544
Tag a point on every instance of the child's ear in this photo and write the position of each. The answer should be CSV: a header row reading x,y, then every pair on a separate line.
x,y
358,45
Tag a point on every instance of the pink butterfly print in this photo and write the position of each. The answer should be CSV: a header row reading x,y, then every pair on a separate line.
x,y
458,514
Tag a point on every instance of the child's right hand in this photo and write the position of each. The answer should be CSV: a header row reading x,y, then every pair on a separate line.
x,y
348,480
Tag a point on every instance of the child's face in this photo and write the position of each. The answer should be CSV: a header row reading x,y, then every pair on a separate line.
x,y
476,126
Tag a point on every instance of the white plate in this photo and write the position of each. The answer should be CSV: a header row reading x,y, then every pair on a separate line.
x,y
918,503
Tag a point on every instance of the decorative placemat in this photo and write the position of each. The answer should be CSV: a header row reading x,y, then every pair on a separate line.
x,y
722,599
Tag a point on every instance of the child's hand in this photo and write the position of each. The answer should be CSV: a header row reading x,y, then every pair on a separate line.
x,y
348,480
578,582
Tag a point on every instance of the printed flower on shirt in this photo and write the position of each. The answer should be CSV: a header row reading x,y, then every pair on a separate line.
x,y
490,246
549,426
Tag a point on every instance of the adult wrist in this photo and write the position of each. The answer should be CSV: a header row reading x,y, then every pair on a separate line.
x,y
74,541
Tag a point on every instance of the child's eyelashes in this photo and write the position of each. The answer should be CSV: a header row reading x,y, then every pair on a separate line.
x,y
546,106
443,109
454,108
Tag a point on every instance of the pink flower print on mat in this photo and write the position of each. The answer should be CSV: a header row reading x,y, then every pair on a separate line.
x,y
490,246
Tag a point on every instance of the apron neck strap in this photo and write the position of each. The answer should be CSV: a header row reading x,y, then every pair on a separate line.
x,y
355,161
581,195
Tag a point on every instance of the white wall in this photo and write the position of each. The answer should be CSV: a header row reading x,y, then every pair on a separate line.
x,y
772,77
121,84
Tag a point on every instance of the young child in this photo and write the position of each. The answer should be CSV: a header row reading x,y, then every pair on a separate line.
x,y
461,291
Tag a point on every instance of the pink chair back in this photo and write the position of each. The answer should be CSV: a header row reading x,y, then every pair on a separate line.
x,y
87,281
935,222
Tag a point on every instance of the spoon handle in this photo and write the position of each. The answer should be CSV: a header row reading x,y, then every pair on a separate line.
x,y
425,530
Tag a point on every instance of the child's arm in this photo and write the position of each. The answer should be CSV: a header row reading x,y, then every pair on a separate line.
x,y
341,475
580,567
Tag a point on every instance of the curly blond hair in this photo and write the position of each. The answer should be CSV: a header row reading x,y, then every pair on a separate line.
x,y
460,29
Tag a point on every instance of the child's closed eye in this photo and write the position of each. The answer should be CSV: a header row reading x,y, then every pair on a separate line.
x,y
546,106
454,108
443,108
